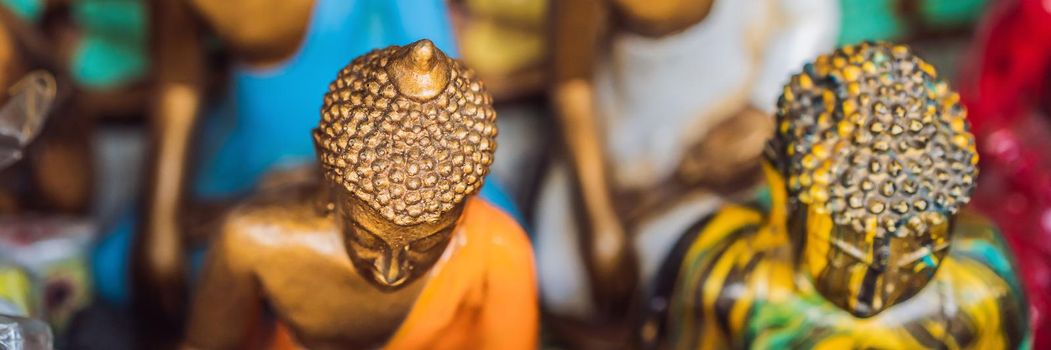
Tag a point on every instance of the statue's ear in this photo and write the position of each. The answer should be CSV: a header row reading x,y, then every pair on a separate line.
x,y
315,134
23,115
772,154
325,203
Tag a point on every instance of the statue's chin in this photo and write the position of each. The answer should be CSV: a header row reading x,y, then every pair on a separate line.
x,y
861,310
864,309
391,285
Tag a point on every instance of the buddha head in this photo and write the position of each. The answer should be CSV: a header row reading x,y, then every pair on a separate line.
x,y
406,137
876,158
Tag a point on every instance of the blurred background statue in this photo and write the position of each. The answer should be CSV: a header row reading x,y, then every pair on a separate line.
x,y
392,248
660,104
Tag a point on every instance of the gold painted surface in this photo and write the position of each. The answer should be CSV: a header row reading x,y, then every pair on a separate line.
x,y
408,130
48,164
480,297
391,247
608,212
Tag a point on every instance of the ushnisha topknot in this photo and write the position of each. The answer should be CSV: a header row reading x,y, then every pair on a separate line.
x,y
871,136
407,130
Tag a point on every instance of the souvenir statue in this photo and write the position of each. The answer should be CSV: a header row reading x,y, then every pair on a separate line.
x,y
866,242
44,175
392,247
1006,90
906,19
504,41
282,53
659,102
44,151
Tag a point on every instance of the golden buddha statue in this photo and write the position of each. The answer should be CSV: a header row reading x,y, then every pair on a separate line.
x,y
392,248
210,149
866,243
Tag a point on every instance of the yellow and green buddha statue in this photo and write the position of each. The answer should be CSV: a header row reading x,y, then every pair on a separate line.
x,y
865,242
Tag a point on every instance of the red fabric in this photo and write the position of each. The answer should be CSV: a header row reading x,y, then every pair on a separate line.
x,y
1006,93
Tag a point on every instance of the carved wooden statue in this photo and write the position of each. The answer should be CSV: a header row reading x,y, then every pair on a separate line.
x,y
660,103
866,243
392,247
45,178
52,172
282,53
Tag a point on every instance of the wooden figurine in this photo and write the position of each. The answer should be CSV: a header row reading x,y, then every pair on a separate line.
x,y
866,243
44,148
659,103
45,189
282,53
393,247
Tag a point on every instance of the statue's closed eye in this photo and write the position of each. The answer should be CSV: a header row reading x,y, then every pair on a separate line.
x,y
430,242
367,239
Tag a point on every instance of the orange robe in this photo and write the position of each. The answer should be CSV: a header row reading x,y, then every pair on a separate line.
x,y
481,295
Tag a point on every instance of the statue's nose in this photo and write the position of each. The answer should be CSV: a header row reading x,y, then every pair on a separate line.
x,y
389,270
